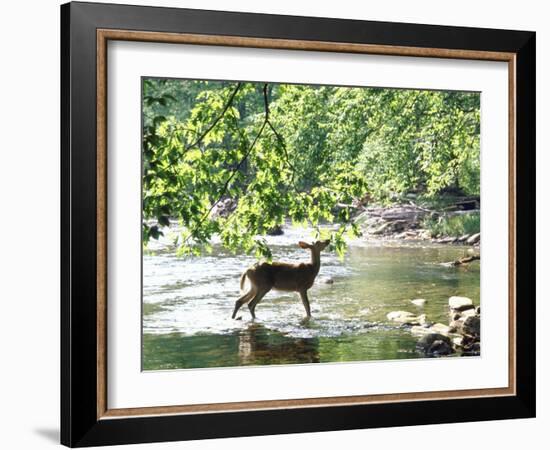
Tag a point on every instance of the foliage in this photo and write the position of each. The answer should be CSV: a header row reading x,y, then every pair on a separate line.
x,y
423,141
456,225
298,152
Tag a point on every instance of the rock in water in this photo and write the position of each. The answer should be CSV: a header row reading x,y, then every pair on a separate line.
x,y
277,230
460,303
435,344
440,348
458,341
456,326
418,301
468,312
472,349
471,346
455,315
473,239
420,330
406,318
398,315
440,328
472,326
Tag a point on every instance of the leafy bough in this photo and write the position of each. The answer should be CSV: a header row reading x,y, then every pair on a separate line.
x,y
218,153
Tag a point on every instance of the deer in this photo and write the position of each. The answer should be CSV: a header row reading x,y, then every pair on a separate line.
x,y
281,276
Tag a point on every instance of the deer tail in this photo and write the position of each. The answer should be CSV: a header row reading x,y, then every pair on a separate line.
x,y
243,278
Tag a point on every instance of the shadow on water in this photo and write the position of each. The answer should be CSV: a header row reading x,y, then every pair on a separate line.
x,y
256,345
252,345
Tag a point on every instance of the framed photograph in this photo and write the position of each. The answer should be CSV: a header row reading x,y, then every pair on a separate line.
x,y
276,224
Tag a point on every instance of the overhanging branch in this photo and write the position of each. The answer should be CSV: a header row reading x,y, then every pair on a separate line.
x,y
225,187
215,122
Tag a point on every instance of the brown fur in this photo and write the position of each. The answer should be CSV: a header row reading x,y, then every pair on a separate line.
x,y
281,276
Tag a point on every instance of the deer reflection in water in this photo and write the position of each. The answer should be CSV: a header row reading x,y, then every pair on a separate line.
x,y
258,346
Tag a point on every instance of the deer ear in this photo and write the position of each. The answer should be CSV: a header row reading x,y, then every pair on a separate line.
x,y
302,244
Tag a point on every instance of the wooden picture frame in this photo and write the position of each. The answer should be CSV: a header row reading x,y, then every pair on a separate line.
x,y
86,418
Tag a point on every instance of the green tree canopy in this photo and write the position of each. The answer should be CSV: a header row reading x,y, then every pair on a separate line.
x,y
301,152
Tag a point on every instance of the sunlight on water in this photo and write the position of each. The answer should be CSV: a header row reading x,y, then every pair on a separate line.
x,y
188,304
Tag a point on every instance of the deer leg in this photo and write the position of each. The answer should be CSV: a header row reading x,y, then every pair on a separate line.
x,y
305,301
241,301
257,298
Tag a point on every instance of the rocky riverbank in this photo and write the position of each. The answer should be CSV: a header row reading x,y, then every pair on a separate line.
x,y
461,335
403,220
407,221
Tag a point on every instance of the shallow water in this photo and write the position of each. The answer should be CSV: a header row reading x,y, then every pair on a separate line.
x,y
187,304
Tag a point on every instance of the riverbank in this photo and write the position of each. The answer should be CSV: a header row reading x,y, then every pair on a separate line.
x,y
408,221
451,220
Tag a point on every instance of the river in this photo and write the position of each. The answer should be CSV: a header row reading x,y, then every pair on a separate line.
x,y
187,304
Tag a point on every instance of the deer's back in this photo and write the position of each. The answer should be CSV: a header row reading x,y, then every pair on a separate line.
x,y
283,276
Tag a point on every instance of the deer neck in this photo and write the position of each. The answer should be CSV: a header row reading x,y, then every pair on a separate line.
x,y
315,261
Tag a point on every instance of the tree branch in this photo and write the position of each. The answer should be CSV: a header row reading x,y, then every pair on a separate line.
x,y
283,145
461,261
213,124
277,135
223,191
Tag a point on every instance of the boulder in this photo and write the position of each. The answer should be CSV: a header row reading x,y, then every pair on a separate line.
x,y
458,341
472,349
406,318
440,348
460,303
419,301
455,316
471,346
472,326
435,344
467,313
277,230
473,239
463,238
456,326
420,330
440,328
